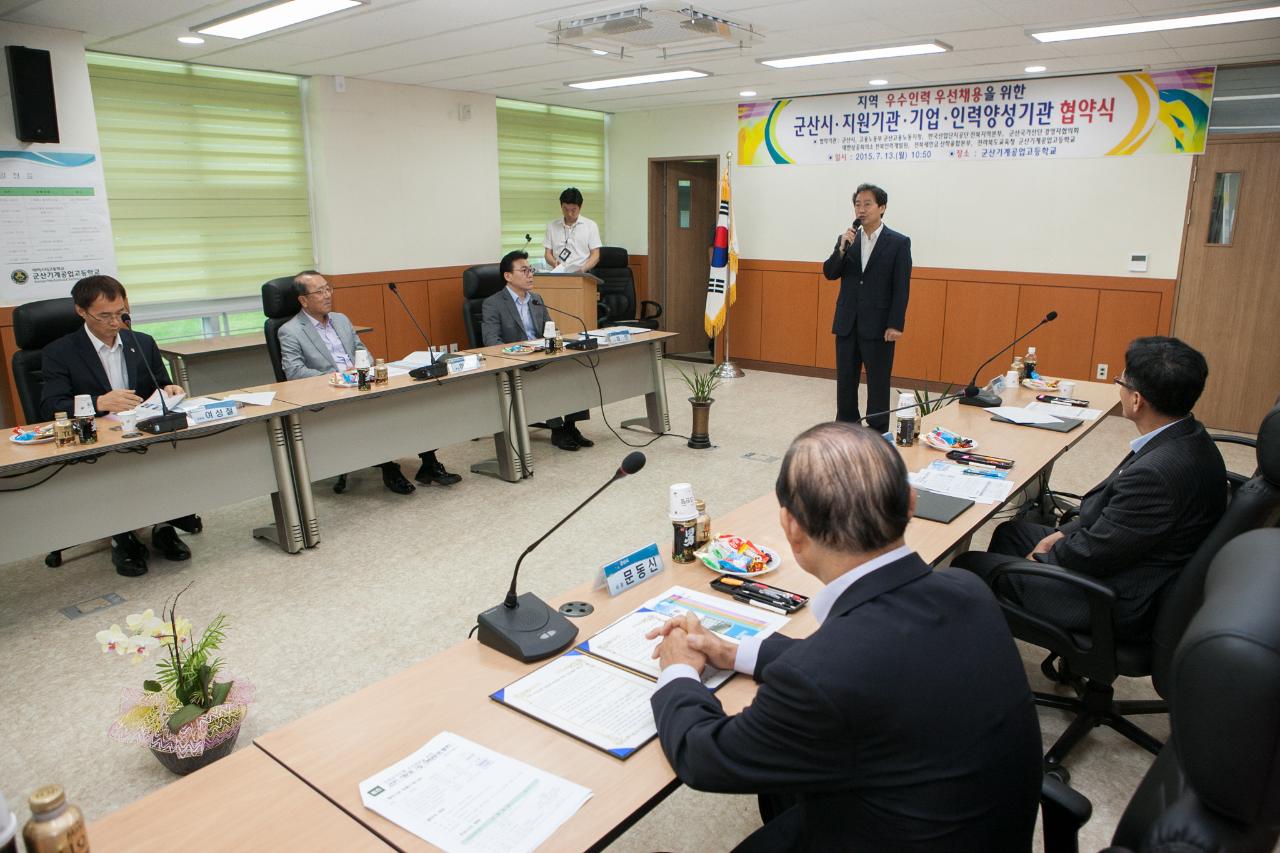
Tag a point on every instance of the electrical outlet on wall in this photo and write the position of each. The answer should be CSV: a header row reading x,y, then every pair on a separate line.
x,y
1102,371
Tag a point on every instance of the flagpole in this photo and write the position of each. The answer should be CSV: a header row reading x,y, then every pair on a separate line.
x,y
726,369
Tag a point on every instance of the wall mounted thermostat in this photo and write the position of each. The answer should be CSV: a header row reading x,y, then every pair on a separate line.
x,y
1138,262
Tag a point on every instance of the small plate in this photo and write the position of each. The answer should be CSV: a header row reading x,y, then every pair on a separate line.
x,y
775,560
1041,384
26,438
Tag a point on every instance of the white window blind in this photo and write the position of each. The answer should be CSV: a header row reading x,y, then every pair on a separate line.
x,y
206,176
542,150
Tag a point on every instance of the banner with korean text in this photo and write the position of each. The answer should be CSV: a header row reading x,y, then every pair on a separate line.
x,y
1099,115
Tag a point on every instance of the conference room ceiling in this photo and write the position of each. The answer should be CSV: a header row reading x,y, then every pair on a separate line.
x,y
501,46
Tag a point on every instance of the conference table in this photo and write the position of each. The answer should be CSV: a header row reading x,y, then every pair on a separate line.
x,y
337,746
53,498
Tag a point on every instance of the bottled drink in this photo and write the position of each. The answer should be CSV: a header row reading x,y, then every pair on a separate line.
x,y
1031,363
904,431
703,534
64,434
1019,368
55,825
380,375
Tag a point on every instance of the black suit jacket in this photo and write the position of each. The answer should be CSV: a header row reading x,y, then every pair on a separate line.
x,y
71,366
1142,524
500,321
874,300
904,723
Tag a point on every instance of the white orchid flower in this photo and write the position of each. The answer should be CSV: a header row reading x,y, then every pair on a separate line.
x,y
146,622
113,640
140,647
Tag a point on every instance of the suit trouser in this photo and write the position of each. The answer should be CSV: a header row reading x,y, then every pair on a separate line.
x,y
1013,540
569,419
852,352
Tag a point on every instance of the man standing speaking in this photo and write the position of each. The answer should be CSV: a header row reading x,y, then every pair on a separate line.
x,y
873,264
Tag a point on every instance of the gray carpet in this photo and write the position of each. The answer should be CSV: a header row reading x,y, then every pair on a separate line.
x,y
397,579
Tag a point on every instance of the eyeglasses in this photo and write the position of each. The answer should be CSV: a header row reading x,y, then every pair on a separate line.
x,y
1124,384
327,290
522,270
105,317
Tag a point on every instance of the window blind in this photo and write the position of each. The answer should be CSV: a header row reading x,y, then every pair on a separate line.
x,y
542,150
206,176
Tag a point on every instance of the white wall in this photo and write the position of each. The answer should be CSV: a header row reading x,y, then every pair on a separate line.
x,y
397,180
77,127
1082,216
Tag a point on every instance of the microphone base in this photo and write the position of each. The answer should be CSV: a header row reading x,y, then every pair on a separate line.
x,y
587,343
160,424
530,631
985,400
437,369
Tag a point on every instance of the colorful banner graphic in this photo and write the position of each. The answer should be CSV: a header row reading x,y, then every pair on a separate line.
x,y
1100,115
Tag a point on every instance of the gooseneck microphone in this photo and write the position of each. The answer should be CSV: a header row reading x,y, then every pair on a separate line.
x,y
967,392
586,342
524,626
436,368
988,399
166,421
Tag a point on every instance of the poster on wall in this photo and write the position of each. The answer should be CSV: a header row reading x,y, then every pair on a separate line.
x,y
1098,115
54,225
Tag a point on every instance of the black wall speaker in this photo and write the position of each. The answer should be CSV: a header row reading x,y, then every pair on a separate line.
x,y
35,113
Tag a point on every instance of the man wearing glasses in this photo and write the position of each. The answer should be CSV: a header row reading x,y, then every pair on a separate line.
x,y
516,314
97,361
319,340
1138,527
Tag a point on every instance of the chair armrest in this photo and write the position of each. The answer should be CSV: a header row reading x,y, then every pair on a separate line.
x,y
1100,598
1233,439
1064,810
645,305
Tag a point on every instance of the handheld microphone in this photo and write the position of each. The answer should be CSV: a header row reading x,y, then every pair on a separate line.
x,y
435,368
166,421
525,627
967,392
986,399
857,223
586,342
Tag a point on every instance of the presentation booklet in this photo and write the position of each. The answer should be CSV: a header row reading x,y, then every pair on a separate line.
x,y
599,691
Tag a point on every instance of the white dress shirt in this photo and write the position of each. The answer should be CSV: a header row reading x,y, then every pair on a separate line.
x,y
749,648
571,245
522,309
112,358
868,243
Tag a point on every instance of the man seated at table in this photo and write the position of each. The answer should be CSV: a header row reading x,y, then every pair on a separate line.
x,y
904,722
99,361
318,340
1138,527
515,314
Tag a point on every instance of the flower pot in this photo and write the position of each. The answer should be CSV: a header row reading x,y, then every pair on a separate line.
x,y
190,764
698,437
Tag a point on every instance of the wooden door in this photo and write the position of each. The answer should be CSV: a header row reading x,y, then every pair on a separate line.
x,y
1228,301
689,197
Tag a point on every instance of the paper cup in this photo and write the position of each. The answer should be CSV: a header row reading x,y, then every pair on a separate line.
x,y
682,506
1011,379
128,423
1067,388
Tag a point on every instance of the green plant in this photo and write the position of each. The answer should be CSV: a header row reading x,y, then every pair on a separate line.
x,y
928,405
701,383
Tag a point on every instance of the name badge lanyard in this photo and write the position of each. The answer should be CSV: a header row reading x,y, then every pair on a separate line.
x,y
565,253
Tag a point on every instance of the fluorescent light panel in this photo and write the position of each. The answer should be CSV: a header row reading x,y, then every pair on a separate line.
x,y
858,55
659,77
273,16
1152,26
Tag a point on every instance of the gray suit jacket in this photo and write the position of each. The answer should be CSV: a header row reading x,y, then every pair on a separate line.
x,y
302,350
500,321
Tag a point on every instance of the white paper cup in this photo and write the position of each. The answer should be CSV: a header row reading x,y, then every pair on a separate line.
x,y
682,506
1067,388
128,423
1011,379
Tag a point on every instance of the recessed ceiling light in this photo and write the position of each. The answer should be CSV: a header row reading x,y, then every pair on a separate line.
x,y
599,52
272,16
858,55
747,93
1035,69
191,39
1156,25
659,77
878,82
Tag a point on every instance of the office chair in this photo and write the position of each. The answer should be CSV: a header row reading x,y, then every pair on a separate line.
x,y
1092,660
35,326
617,292
478,284
1216,784
280,304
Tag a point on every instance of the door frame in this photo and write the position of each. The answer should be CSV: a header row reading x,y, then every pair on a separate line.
x,y
657,217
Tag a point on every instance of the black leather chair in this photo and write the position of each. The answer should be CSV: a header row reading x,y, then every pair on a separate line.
x,y
616,293
35,326
478,284
1092,660
1216,784
280,304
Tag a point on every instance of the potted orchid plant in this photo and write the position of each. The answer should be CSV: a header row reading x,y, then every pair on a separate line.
x,y
189,714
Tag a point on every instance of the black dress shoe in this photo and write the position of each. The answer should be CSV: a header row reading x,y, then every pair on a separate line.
x,y
166,540
562,438
189,523
582,440
126,565
393,478
131,546
434,472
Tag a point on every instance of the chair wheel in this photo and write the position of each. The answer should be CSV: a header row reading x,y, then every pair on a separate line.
x,y
53,559
1059,772
341,485
1055,669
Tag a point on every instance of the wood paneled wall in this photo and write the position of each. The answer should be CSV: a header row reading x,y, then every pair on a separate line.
x,y
784,312
434,295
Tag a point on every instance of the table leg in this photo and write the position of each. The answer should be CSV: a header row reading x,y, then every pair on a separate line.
x,y
287,530
510,445
302,482
180,370
655,402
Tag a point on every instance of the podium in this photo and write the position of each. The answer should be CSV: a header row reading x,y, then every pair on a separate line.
x,y
571,292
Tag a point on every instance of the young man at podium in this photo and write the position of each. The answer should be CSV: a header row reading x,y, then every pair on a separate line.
x,y
572,243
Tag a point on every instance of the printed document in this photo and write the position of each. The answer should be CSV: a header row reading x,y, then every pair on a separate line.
x,y
947,479
461,796
624,643
1057,410
1022,416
